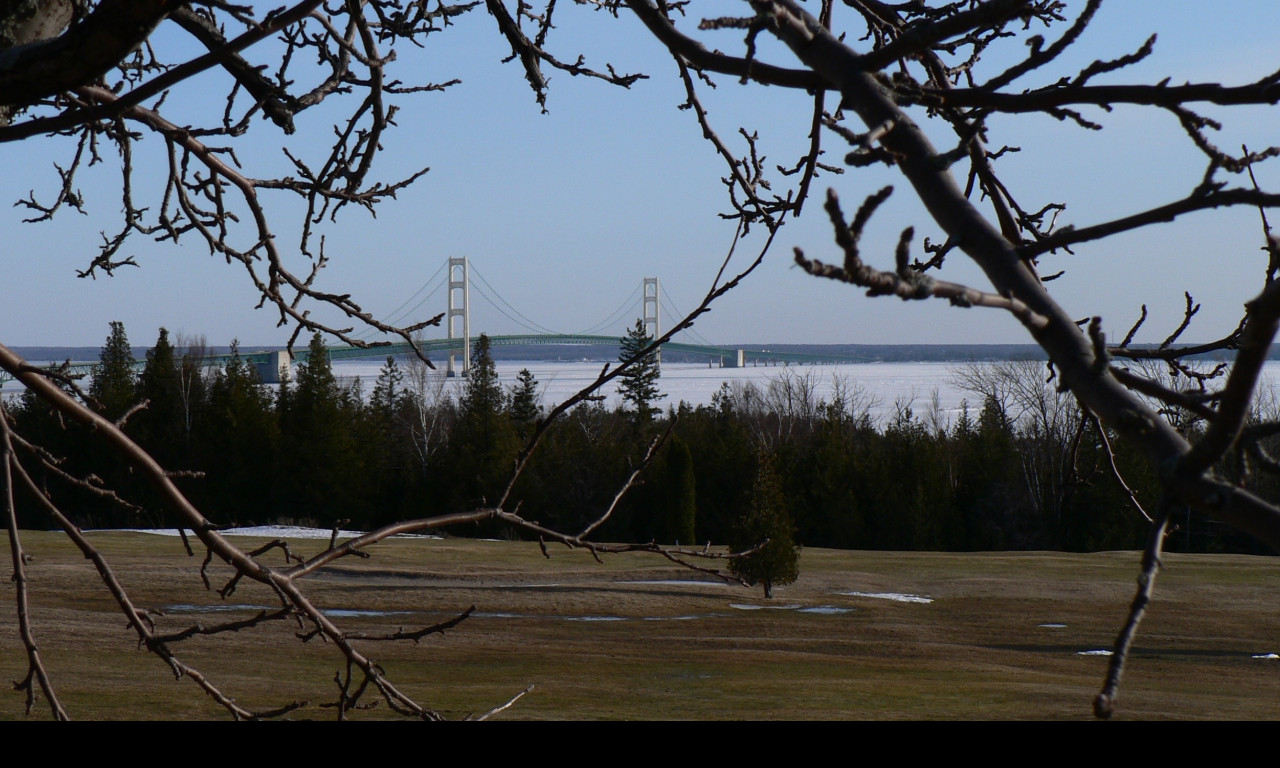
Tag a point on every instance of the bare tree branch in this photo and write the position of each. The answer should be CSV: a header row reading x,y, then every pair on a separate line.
x,y
36,673
1105,702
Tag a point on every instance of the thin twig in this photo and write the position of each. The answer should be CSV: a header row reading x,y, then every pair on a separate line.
x,y
1105,702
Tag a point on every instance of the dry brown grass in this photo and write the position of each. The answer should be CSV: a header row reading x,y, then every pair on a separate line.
x,y
677,650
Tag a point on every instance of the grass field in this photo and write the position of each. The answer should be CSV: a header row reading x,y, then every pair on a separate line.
x,y
633,638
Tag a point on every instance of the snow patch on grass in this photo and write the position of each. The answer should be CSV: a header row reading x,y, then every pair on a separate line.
x,y
274,532
897,597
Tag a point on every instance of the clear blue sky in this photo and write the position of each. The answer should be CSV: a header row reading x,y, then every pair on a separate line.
x,y
565,213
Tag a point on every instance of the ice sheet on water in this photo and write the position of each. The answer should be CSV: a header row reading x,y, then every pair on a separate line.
x,y
695,383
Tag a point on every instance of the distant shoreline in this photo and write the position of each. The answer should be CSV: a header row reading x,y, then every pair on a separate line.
x,y
863,353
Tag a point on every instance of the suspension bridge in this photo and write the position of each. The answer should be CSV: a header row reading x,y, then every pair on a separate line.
x,y
646,302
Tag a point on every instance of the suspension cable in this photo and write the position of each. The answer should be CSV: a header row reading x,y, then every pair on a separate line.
x,y
671,306
395,315
528,323
484,294
627,304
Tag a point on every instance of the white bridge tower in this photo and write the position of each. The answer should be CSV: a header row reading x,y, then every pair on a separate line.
x,y
652,312
459,309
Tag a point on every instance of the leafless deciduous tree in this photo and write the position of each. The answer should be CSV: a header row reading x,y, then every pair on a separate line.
x,y
903,85
88,70
899,69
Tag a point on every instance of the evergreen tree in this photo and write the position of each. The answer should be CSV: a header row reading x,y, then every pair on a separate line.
x,y
524,398
40,424
824,479
113,378
483,395
322,462
316,384
161,427
778,561
639,383
575,473
679,493
114,387
484,443
721,445
388,391
987,476
393,472
238,445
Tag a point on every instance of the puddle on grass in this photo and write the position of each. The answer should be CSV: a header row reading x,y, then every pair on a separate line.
x,y
753,607
679,583
496,615
820,609
352,613
827,610
219,608
1098,652
1052,626
334,613
897,597
672,618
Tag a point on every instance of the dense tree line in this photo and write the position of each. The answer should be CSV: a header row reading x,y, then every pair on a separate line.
x,y
1021,470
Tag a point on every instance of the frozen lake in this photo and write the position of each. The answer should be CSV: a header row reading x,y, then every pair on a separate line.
x,y
695,383
884,384
887,385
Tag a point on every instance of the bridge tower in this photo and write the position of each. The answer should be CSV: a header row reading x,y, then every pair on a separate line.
x,y
459,309
652,312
